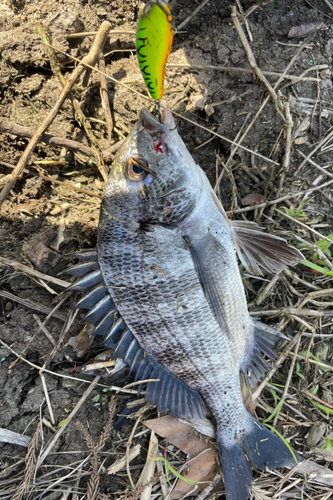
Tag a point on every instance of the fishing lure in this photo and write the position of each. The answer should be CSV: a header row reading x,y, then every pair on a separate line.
x,y
153,44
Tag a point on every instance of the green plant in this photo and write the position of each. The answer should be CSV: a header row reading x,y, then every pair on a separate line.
x,y
314,261
328,444
270,427
303,354
295,212
274,412
298,372
168,468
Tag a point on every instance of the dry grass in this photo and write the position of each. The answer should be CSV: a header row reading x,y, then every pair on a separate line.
x,y
297,392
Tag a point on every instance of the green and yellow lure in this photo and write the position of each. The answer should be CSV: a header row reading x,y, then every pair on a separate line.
x,y
154,38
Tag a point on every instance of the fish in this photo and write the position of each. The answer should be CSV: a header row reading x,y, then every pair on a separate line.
x,y
164,289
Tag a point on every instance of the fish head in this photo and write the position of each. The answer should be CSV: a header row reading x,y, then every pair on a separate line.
x,y
153,179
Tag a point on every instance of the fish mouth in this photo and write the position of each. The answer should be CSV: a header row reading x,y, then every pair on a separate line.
x,y
156,129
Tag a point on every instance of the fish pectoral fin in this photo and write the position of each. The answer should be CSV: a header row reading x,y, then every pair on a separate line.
x,y
261,252
207,254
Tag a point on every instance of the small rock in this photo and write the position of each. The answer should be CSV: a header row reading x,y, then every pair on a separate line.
x,y
252,199
9,306
55,211
325,73
316,433
69,382
322,351
209,110
100,185
301,140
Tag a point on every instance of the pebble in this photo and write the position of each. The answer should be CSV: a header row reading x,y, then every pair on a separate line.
x,y
316,433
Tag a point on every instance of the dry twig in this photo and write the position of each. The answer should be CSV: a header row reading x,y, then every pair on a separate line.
x,y
253,62
191,16
286,387
90,59
13,128
105,99
33,305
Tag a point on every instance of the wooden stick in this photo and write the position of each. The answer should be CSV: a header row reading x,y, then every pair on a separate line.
x,y
55,181
33,272
47,397
227,69
13,128
77,147
291,311
32,305
90,59
94,33
286,387
61,429
61,375
105,99
278,200
188,19
253,62
44,329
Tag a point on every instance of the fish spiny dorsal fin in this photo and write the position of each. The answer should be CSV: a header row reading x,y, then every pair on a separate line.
x,y
262,252
169,394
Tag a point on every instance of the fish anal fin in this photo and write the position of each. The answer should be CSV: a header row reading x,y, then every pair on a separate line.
x,y
262,252
265,338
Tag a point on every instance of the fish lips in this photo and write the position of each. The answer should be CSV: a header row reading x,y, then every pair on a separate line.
x,y
158,130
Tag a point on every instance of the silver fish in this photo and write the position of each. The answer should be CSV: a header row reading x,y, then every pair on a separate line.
x,y
165,289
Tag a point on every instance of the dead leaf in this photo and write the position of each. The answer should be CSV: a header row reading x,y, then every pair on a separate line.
x,y
305,29
196,102
38,251
302,127
81,343
252,199
100,185
149,469
203,467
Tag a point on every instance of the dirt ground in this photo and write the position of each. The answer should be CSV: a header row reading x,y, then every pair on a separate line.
x,y
42,220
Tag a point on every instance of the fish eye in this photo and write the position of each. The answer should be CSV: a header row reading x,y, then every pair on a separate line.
x,y
136,168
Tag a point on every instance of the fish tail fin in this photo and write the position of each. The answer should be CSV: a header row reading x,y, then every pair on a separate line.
x,y
236,472
259,449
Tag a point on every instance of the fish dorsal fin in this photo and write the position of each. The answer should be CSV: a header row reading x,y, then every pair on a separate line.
x,y
262,252
170,393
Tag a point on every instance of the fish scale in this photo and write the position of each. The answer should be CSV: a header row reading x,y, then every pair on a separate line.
x,y
168,266
152,309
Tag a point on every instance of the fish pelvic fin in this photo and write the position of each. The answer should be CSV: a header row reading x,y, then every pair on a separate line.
x,y
261,252
259,449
